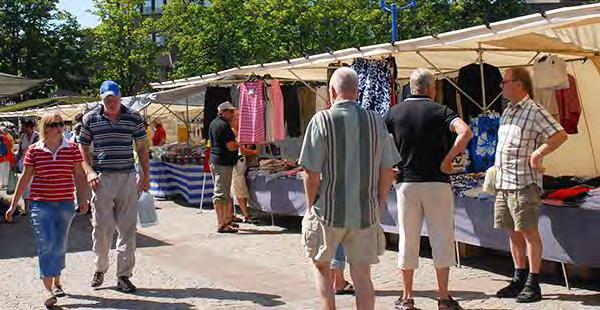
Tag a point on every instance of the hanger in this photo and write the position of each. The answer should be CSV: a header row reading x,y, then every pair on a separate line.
x,y
543,58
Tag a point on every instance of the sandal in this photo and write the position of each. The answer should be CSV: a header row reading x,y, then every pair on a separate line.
x,y
234,225
226,229
58,291
50,301
236,219
251,220
347,290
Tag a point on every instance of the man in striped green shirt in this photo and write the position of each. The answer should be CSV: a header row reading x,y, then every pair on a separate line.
x,y
349,157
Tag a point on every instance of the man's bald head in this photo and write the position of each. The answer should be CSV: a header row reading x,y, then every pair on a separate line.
x,y
343,85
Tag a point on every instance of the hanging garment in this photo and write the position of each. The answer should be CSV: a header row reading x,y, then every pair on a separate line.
x,y
252,113
291,110
269,116
234,91
550,72
449,96
277,107
308,106
481,150
469,80
405,91
546,97
569,106
214,96
374,89
322,102
394,85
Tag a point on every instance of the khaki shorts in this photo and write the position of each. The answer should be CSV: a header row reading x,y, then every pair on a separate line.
x,y
518,210
222,176
362,246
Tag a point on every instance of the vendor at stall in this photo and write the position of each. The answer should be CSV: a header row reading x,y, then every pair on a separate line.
x,y
160,135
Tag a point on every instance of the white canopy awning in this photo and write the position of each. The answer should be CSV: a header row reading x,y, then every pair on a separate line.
x,y
569,32
11,85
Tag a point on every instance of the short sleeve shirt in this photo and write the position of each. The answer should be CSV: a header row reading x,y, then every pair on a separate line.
x,y
219,134
112,141
422,133
524,127
348,146
52,173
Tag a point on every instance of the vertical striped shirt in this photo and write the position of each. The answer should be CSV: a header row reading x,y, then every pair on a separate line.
x,y
52,173
524,127
112,141
348,146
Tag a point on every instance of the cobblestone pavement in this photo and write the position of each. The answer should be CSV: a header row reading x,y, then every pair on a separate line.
x,y
183,264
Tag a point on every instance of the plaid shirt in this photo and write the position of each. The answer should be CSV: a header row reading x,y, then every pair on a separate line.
x,y
524,127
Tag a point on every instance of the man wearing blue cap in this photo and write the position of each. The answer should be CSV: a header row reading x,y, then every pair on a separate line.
x,y
110,170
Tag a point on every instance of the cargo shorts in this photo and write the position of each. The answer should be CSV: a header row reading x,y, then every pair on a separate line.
x,y
518,210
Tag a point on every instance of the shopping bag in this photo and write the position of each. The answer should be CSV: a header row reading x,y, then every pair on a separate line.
x,y
146,212
489,182
12,183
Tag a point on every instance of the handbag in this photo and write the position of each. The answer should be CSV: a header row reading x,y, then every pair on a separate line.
x,y
146,212
489,182
12,183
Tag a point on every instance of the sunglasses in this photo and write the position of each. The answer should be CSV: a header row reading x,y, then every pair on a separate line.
x,y
55,124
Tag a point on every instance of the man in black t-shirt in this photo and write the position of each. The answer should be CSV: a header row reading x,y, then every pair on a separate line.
x,y
223,157
422,131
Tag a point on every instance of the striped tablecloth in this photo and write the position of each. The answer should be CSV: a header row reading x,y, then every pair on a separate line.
x,y
167,179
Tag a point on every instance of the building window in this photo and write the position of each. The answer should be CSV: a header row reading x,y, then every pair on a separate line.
x,y
159,39
147,7
158,6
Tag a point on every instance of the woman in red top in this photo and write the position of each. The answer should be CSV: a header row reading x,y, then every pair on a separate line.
x,y
160,135
51,165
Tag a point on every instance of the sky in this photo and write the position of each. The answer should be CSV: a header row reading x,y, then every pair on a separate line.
x,y
80,9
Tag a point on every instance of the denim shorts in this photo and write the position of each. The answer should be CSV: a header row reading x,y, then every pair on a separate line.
x,y
51,222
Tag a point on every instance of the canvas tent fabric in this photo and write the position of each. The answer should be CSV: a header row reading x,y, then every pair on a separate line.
x,y
571,33
11,85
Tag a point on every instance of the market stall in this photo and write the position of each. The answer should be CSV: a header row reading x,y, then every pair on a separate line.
x,y
469,65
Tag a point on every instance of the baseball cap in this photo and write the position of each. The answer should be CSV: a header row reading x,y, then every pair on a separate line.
x,y
109,88
225,106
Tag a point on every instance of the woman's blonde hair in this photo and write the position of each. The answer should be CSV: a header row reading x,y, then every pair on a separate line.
x,y
46,119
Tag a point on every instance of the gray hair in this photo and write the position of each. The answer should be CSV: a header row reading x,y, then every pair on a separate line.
x,y
344,80
420,80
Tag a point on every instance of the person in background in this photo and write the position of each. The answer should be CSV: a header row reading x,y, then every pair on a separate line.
x,y
29,137
75,133
111,129
527,133
7,158
239,187
346,188
52,166
338,264
422,130
223,157
160,135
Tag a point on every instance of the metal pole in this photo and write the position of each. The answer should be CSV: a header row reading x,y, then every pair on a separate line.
x,y
564,270
187,119
480,52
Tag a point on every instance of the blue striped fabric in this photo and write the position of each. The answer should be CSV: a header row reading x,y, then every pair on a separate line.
x,y
167,179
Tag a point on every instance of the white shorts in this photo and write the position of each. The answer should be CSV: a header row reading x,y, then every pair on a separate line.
x,y
434,203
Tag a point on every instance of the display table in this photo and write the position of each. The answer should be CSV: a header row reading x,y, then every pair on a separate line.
x,y
167,179
568,234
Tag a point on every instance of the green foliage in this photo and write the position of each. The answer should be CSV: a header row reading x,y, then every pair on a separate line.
x,y
38,41
122,46
229,33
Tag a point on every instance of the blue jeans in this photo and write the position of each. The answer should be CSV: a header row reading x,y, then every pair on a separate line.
x,y
339,261
51,222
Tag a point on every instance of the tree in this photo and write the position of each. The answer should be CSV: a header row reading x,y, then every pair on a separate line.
x,y
122,46
230,33
38,41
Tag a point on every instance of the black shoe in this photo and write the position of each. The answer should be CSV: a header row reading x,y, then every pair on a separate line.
x,y
98,279
512,290
125,286
448,304
530,294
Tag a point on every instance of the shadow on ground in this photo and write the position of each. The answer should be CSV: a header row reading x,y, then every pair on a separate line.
x,y
18,241
94,302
